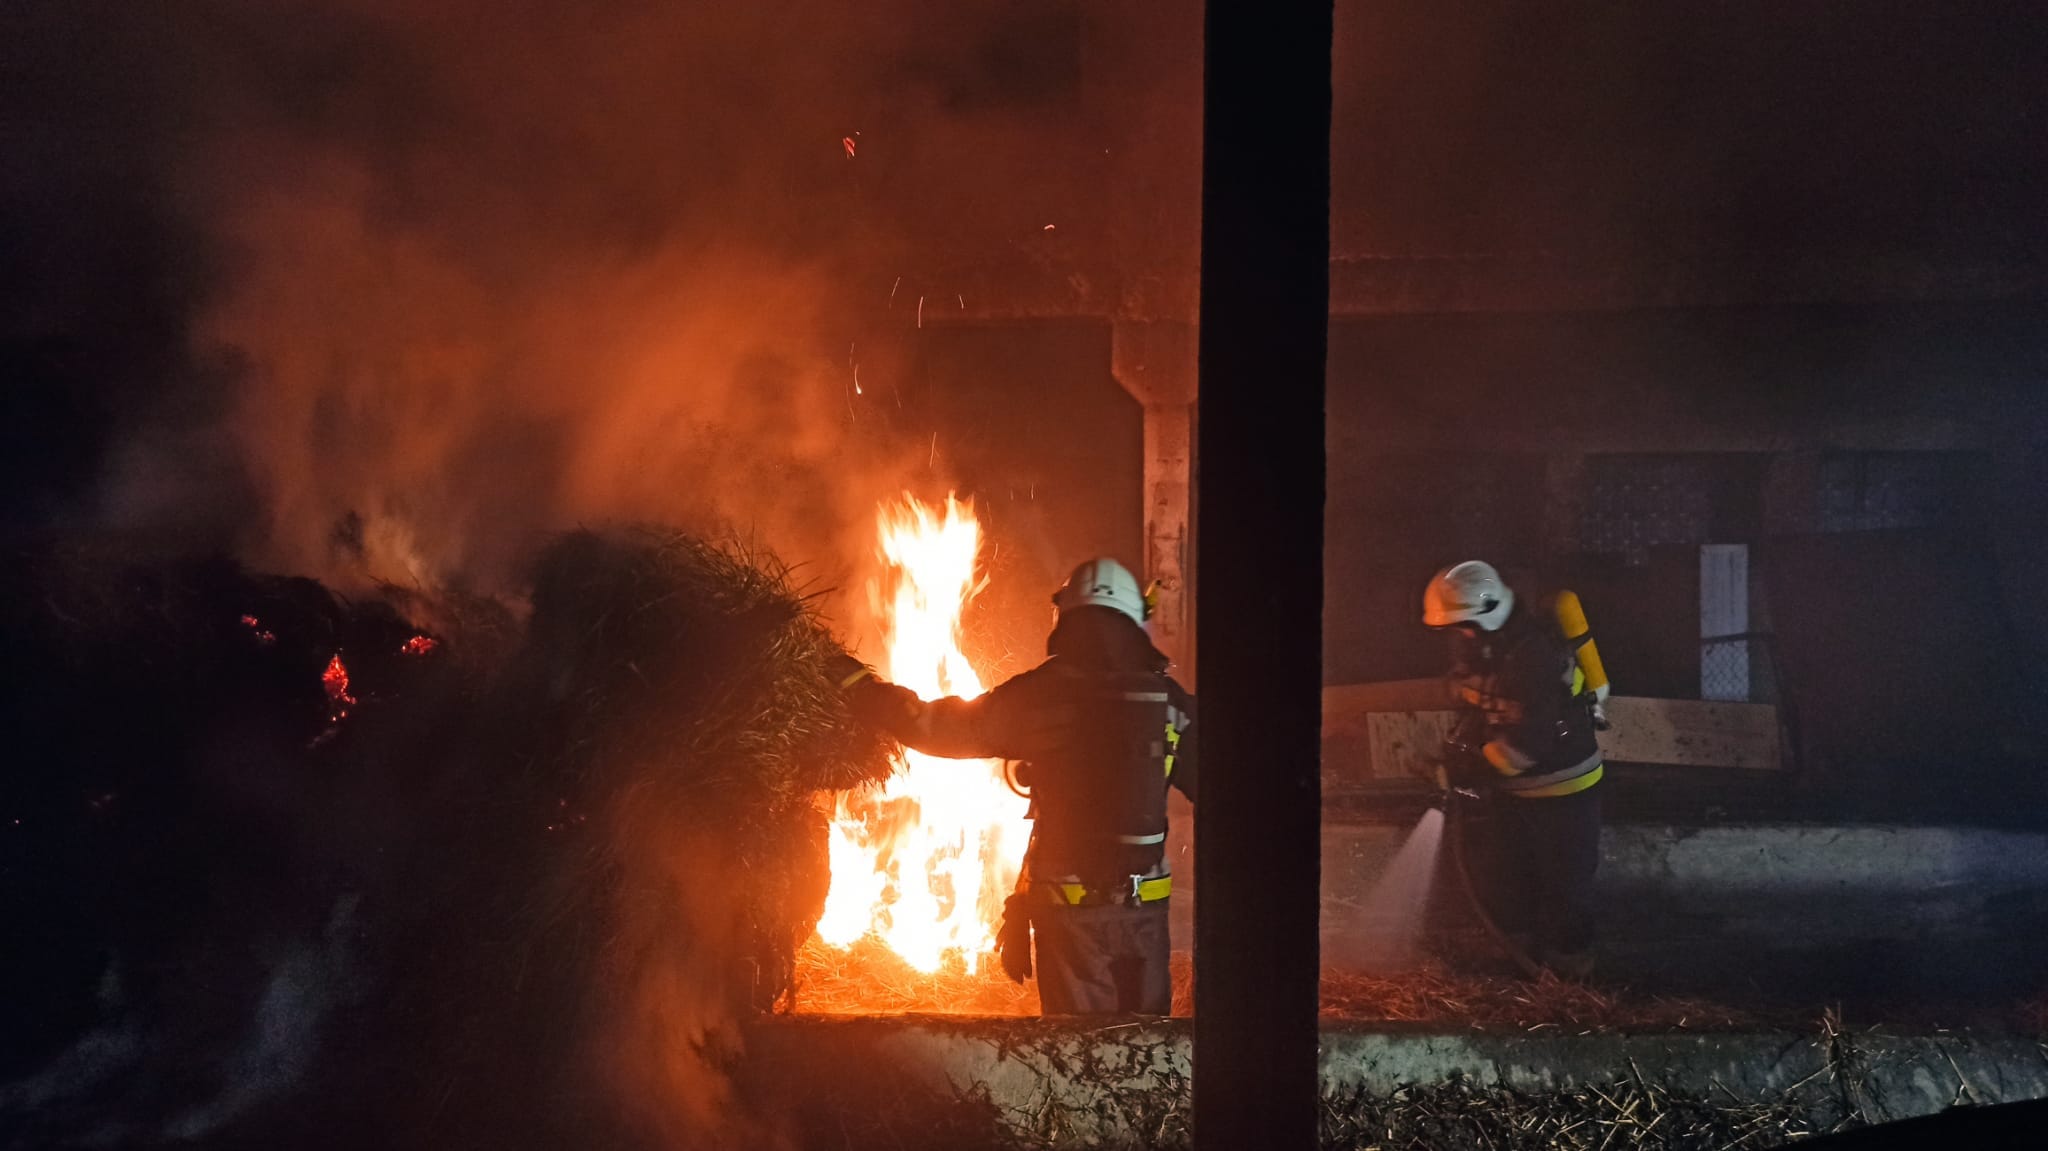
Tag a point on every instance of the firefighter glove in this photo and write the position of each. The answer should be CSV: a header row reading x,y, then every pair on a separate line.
x,y
1013,938
885,707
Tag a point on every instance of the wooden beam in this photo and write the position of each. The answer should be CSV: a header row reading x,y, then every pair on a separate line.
x,y
1382,731
1692,733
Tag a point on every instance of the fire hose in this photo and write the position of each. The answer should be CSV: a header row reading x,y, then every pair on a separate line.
x,y
1456,802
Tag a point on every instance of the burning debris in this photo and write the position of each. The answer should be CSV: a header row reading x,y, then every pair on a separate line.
x,y
868,978
334,680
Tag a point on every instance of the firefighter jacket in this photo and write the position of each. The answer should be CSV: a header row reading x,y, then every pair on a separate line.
x,y
1528,690
1099,732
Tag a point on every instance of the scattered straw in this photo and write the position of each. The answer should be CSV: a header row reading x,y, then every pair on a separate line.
x,y
868,979
1632,1112
1437,995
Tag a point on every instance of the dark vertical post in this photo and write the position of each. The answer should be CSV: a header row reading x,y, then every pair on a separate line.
x,y
1259,498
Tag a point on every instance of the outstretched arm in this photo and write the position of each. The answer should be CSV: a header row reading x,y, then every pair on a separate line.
x,y
1003,723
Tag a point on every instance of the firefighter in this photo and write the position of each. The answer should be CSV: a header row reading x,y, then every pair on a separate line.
x,y
1098,732
1535,691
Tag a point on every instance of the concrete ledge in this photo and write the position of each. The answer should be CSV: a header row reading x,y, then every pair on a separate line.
x,y
1127,1082
1820,860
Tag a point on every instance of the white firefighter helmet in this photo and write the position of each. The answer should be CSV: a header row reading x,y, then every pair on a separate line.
x,y
1467,593
1103,582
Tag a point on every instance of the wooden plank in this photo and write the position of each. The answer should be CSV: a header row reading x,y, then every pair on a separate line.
x,y
1377,731
1345,707
1692,733
1405,744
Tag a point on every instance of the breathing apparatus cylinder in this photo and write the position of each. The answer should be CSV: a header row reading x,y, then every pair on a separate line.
x,y
1571,623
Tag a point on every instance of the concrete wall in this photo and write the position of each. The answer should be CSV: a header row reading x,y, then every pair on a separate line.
x,y
1799,915
1126,1083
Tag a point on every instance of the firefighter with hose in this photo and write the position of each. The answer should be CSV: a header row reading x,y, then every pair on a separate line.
x,y
1098,732
1534,691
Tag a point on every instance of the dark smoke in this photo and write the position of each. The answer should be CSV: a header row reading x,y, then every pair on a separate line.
x,y
421,281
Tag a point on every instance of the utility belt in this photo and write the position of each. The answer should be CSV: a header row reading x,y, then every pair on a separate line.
x,y
1072,891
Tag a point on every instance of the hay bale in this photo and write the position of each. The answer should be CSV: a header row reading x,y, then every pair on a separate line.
x,y
573,853
677,697
685,693
703,662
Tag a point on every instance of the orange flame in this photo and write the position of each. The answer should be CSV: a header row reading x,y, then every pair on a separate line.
x,y
924,863
335,680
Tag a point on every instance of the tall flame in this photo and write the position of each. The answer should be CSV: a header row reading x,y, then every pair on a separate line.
x,y
924,862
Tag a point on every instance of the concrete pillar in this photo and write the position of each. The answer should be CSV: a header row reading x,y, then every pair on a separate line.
x,y
1155,362
1265,310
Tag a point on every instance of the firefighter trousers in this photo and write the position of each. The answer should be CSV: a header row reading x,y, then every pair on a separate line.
x,y
1105,960
1540,877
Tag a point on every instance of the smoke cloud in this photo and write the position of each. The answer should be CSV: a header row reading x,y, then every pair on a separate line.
x,y
386,292
463,273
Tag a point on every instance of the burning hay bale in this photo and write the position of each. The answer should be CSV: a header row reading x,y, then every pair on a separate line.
x,y
526,878
684,695
703,662
659,744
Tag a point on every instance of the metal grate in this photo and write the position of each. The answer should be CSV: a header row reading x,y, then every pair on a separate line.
x,y
1634,503
1725,670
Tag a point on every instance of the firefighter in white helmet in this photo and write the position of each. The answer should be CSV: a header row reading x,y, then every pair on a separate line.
x,y
1099,731
1535,688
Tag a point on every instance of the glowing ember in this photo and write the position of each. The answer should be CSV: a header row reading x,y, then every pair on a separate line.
x,y
419,645
255,626
335,680
924,863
